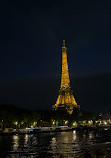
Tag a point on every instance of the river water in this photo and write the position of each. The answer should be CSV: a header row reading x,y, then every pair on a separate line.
x,y
72,144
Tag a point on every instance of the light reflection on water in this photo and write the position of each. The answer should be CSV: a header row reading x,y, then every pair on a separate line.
x,y
15,142
77,144
26,139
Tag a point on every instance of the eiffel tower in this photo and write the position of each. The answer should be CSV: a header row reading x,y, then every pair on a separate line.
x,y
65,100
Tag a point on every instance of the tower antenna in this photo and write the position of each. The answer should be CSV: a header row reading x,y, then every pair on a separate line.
x,y
63,43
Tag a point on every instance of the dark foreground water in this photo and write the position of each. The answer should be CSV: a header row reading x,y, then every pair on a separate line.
x,y
74,144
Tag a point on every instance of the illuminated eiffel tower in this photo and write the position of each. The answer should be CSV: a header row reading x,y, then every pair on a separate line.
x,y
65,100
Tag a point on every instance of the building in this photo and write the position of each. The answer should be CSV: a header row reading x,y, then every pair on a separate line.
x,y
65,100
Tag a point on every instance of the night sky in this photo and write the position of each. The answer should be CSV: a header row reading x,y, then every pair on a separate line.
x,y
31,34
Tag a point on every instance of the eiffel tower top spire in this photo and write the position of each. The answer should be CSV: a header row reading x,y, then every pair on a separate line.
x,y
65,82
63,43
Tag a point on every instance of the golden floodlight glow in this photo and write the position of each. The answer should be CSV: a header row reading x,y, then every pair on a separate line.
x,y
66,122
65,98
16,123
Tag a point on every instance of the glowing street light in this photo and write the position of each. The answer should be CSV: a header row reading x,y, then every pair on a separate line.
x,y
66,122
16,123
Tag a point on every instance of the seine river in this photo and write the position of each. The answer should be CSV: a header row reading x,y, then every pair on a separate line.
x,y
73,144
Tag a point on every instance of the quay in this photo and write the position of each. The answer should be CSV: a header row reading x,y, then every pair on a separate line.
x,y
37,130
34,130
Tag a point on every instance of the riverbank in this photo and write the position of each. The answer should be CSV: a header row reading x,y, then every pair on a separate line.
x,y
37,130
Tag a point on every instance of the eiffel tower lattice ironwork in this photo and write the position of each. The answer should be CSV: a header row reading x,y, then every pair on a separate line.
x,y
65,98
